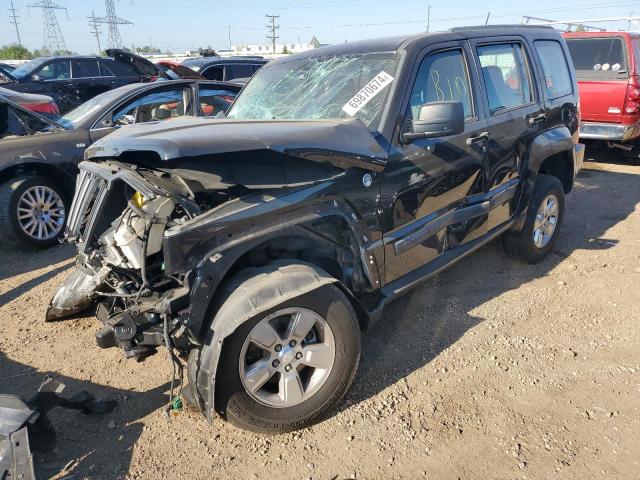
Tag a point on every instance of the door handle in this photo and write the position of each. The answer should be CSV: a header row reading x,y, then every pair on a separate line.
x,y
537,119
482,137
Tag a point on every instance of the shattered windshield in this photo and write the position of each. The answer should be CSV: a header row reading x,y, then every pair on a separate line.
x,y
340,86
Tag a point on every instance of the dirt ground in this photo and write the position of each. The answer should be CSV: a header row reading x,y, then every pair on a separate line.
x,y
493,369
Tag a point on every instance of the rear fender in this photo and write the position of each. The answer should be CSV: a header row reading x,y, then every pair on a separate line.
x,y
545,145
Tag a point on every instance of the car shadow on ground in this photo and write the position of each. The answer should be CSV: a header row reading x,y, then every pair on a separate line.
x,y
416,328
83,441
33,258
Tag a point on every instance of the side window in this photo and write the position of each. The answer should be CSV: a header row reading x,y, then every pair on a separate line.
x,y
506,76
238,71
85,68
556,71
153,106
59,70
255,68
105,71
442,76
122,69
213,73
214,101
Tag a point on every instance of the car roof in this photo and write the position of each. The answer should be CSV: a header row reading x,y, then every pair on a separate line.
x,y
391,44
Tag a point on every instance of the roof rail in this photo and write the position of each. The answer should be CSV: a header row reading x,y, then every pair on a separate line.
x,y
492,27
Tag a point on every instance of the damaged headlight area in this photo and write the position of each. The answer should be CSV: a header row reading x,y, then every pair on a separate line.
x,y
117,221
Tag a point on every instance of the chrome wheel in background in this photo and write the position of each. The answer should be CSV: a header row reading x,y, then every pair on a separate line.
x,y
41,212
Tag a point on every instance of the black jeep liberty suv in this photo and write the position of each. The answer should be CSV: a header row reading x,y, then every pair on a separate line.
x,y
258,246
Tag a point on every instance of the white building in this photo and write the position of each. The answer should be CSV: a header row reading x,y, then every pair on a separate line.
x,y
268,48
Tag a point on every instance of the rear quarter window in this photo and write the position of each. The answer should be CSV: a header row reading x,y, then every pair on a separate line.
x,y
557,79
602,58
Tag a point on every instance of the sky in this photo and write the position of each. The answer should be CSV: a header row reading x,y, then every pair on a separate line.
x,y
179,25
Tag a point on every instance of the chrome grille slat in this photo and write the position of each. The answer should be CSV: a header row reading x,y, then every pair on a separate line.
x,y
91,189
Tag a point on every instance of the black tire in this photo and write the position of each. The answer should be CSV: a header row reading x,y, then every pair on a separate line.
x,y
245,412
521,244
10,193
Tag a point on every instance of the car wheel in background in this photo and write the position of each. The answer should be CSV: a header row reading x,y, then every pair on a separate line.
x,y
33,210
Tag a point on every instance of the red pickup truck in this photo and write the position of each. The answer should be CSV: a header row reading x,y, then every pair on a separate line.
x,y
607,71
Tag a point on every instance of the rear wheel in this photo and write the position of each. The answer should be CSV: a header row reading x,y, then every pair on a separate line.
x,y
285,368
542,225
35,208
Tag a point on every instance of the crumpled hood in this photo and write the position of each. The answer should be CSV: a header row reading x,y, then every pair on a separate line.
x,y
342,143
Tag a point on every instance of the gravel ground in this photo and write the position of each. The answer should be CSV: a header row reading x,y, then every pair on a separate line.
x,y
493,369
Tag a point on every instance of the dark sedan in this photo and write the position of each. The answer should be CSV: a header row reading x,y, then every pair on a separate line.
x,y
39,157
72,80
225,68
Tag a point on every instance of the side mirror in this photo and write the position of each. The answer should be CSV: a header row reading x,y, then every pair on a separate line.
x,y
36,78
436,119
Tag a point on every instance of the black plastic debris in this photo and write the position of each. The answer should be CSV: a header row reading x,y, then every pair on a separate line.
x,y
22,422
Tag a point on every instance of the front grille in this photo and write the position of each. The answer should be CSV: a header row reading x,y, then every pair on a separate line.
x,y
91,190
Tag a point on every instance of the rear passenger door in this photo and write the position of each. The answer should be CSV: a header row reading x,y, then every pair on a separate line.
x,y
86,77
515,115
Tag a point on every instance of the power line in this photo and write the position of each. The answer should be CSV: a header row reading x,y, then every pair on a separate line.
x,y
113,20
14,21
93,23
272,29
53,39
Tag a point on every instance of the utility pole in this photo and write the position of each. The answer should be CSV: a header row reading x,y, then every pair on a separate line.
x,y
428,17
14,21
486,22
53,39
93,23
113,20
229,31
272,30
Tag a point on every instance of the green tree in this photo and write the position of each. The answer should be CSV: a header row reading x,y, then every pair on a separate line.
x,y
148,49
285,50
15,51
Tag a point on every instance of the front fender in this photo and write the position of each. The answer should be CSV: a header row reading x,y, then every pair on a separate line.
x,y
247,295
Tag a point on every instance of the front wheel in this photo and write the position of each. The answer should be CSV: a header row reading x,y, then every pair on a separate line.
x,y
542,224
284,369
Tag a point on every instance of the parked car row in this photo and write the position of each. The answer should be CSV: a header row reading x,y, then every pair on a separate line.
x,y
39,157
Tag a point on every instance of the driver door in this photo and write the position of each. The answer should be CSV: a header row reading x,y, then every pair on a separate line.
x,y
429,184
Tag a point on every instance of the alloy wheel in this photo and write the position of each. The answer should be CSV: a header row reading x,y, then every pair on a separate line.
x,y
546,220
41,212
287,357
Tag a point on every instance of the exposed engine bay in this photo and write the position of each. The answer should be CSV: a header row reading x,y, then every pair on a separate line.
x,y
118,218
